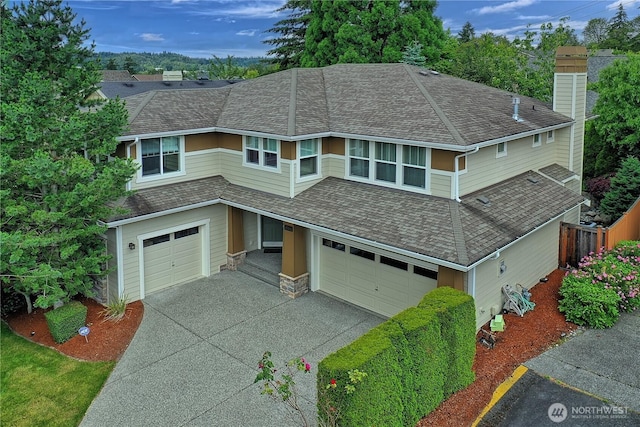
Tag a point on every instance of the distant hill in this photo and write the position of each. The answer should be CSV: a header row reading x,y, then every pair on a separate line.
x,y
147,62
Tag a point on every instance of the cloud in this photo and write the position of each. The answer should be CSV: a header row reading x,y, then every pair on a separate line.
x,y
263,9
504,7
246,33
533,17
151,37
627,4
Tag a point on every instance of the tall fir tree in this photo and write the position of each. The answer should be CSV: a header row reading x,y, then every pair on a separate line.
x,y
467,33
375,31
624,190
288,44
57,176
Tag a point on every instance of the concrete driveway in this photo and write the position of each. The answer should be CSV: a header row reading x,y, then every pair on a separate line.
x,y
194,357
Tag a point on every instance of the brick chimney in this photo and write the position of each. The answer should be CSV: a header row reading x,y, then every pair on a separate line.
x,y
569,98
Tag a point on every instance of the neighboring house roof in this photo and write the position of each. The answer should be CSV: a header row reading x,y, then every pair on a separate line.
x,y
116,76
396,102
595,63
460,233
148,77
125,89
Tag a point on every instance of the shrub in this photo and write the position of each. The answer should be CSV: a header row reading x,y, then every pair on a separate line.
x,y
598,186
116,310
625,189
11,302
65,321
586,302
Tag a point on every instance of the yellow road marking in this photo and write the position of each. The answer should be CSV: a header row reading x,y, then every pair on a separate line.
x,y
501,391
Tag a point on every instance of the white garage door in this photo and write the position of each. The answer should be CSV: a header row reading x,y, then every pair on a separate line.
x,y
381,284
172,258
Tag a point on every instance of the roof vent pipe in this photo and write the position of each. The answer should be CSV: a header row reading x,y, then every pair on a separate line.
x,y
516,103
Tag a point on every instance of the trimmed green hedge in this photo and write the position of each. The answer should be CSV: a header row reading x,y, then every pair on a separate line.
x,y
413,361
65,321
458,318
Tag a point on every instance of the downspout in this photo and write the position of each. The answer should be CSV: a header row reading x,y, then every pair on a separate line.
x,y
472,282
456,169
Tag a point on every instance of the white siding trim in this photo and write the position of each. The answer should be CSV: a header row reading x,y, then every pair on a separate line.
x,y
120,261
315,262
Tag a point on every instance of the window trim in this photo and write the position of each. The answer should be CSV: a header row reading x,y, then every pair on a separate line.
x,y
551,136
537,143
162,175
502,153
261,152
300,157
399,166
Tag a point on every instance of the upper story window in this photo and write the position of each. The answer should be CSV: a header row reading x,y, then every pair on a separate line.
x,y
261,152
537,140
309,159
359,158
394,164
501,149
550,136
414,166
161,156
385,162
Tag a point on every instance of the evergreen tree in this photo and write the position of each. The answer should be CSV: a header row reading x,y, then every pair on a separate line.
x,y
375,31
130,65
412,55
467,33
54,168
288,45
618,36
111,64
624,190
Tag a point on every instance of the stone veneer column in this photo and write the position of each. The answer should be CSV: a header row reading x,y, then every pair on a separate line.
x,y
294,287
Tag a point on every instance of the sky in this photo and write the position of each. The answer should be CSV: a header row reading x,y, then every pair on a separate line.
x,y
202,28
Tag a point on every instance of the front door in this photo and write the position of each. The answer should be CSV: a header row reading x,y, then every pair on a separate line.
x,y
271,233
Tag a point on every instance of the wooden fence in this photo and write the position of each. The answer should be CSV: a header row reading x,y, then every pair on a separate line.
x,y
576,240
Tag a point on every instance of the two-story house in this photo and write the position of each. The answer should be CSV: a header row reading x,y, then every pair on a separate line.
x,y
379,182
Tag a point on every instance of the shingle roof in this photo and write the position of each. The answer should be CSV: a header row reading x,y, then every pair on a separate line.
x,y
116,76
460,233
396,101
557,172
123,89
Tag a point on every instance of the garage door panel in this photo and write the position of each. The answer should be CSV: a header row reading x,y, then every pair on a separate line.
x,y
380,287
174,259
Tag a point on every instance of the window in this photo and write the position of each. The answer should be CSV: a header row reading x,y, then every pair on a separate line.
x,y
160,155
261,152
501,149
359,158
156,240
308,156
362,253
394,263
184,233
425,272
331,244
550,136
537,140
385,162
414,166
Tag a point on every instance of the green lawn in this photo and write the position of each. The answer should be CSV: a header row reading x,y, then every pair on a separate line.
x,y
41,387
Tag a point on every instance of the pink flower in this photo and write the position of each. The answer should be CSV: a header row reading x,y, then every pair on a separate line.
x,y
307,367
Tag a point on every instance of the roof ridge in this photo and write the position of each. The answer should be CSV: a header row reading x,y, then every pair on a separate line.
x,y
458,234
148,97
443,117
291,121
